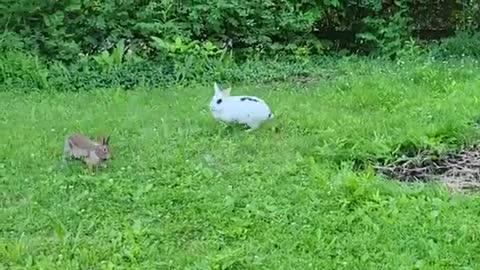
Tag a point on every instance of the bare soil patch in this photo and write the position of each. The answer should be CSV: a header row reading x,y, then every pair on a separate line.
x,y
460,170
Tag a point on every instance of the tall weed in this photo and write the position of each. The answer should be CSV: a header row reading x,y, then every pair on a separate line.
x,y
463,44
23,71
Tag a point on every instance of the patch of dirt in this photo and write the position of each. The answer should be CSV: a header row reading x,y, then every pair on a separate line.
x,y
302,78
460,171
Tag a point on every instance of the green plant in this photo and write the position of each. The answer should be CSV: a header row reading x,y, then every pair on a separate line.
x,y
119,56
61,30
468,17
22,70
463,44
387,35
190,58
10,41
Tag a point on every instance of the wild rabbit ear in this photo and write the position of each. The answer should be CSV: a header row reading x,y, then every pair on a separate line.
x,y
106,140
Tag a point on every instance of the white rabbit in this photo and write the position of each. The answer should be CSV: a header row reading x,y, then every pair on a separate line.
x,y
248,110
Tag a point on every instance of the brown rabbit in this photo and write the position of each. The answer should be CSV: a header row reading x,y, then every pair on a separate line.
x,y
81,147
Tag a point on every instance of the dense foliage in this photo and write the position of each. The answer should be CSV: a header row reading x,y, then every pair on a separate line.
x,y
78,44
64,29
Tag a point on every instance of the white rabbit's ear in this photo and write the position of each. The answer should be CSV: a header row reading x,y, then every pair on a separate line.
x,y
226,92
217,89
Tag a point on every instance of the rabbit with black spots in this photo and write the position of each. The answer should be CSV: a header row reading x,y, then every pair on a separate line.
x,y
249,110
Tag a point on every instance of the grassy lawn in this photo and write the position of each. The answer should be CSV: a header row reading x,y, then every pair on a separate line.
x,y
185,192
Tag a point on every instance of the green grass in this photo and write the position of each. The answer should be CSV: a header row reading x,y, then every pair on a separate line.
x,y
185,192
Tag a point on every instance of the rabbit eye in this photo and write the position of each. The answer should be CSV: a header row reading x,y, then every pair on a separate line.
x,y
219,101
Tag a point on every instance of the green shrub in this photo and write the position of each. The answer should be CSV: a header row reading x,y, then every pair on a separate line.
x,y
464,43
73,45
200,64
387,35
23,70
61,30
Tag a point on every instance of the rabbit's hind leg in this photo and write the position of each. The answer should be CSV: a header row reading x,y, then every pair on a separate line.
x,y
253,126
67,151
66,156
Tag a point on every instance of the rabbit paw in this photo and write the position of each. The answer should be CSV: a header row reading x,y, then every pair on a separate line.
x,y
253,126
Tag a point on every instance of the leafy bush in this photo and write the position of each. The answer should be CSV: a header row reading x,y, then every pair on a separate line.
x,y
62,30
25,71
72,45
198,64
387,35
464,43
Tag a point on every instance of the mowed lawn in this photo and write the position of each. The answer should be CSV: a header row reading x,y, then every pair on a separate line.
x,y
185,192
